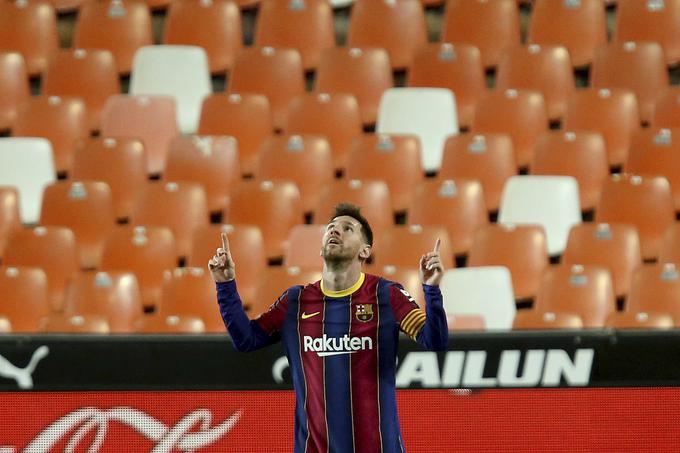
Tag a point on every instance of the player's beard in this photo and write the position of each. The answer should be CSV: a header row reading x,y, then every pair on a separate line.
x,y
336,255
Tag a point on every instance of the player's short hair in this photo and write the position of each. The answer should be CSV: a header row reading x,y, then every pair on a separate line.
x,y
354,211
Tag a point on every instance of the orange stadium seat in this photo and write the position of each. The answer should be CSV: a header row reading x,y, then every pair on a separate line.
x,y
395,159
150,119
10,219
119,162
14,87
586,291
273,282
53,249
190,291
667,108
456,204
639,320
112,295
334,116
305,160
148,252
639,67
209,161
245,4
274,206
63,121
611,112
408,277
306,26
403,245
119,26
86,208
171,324
62,323
24,297
650,21
613,246
304,247
546,69
646,202
465,322
247,249
180,206
540,319
91,75
521,114
275,73
457,67
520,248
579,26
581,154
488,158
670,247
213,25
246,117
655,289
373,196
397,26
364,72
489,26
30,28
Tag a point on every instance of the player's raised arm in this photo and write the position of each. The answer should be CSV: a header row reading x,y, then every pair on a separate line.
x,y
431,268
221,265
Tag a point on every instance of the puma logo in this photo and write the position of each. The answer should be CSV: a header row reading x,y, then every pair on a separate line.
x,y
23,376
306,316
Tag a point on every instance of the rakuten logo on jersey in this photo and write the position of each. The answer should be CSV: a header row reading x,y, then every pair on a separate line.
x,y
327,346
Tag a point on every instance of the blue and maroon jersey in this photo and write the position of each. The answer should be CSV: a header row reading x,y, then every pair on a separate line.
x,y
342,349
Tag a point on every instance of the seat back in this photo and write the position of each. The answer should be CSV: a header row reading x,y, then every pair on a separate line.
x,y
25,297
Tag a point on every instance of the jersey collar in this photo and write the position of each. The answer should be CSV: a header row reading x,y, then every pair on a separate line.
x,y
344,292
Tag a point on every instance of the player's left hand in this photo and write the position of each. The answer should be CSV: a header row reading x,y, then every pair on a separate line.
x,y
431,268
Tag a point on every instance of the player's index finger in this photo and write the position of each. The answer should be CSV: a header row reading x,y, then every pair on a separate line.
x,y
225,242
437,245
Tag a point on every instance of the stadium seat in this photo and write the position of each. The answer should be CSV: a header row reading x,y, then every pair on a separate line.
x,y
190,291
305,25
397,26
403,245
28,165
89,74
274,206
650,21
429,113
61,323
457,67
112,295
119,162
521,114
520,248
546,69
10,219
30,28
247,249
488,158
209,161
485,291
86,208
579,26
24,297
150,119
667,108
62,121
611,112
303,248
213,25
119,26
456,204
539,319
373,196
394,159
246,117
333,116
646,202
5,325
171,324
14,87
406,276
655,289
581,154
639,67
306,160
670,246
549,201
275,73
53,249
586,291
613,246
246,4
491,26
148,252
273,282
639,320
364,72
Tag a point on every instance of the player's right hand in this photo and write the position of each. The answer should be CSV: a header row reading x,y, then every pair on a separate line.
x,y
221,265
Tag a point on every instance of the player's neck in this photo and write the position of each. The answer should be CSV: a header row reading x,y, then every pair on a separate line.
x,y
340,276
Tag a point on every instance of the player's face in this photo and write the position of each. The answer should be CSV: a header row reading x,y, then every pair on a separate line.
x,y
343,240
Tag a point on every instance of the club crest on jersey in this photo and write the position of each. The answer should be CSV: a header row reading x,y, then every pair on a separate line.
x,y
364,312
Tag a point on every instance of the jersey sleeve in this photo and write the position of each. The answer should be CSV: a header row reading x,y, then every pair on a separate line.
x,y
428,327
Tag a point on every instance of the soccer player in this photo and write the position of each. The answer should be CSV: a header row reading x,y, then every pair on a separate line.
x,y
340,335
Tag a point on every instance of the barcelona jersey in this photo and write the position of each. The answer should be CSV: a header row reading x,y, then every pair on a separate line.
x,y
342,348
